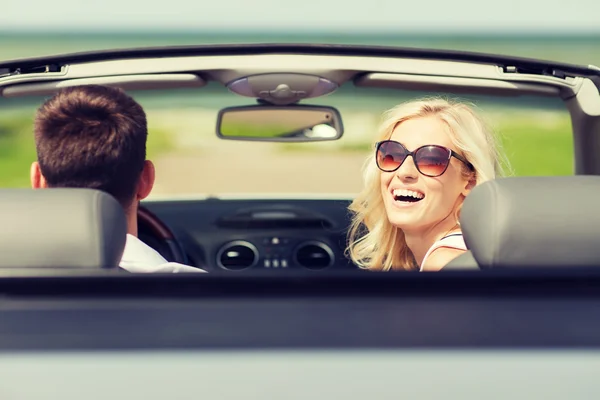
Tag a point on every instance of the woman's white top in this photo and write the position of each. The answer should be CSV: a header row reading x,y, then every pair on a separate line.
x,y
451,241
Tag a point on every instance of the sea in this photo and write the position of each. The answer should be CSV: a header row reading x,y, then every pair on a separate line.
x,y
577,48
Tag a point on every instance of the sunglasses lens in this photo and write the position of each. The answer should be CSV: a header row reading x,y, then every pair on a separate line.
x,y
432,160
390,156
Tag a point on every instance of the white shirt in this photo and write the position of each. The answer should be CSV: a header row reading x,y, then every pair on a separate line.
x,y
140,258
452,241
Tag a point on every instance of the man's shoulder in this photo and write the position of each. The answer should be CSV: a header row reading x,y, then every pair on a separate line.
x,y
176,268
138,257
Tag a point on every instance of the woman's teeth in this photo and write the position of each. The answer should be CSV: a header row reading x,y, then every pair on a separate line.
x,y
407,195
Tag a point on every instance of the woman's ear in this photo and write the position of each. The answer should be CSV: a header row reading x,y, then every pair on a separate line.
x,y
470,185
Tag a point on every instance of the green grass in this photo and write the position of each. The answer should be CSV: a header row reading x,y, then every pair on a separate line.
x,y
538,150
159,142
17,149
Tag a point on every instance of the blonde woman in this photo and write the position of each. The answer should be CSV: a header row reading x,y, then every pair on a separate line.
x,y
428,156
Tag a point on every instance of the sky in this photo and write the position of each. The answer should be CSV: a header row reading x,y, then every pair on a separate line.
x,y
323,15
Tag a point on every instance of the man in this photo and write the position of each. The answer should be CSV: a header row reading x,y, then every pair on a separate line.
x,y
95,137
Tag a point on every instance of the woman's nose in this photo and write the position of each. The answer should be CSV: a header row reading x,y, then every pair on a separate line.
x,y
408,170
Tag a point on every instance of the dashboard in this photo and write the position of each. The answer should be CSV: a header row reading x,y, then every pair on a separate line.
x,y
239,235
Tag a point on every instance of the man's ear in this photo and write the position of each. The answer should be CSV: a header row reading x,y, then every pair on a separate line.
x,y
35,176
146,182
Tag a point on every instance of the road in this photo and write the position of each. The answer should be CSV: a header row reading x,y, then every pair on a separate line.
x,y
201,163
251,168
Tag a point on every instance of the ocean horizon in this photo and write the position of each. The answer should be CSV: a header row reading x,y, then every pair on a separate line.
x,y
572,47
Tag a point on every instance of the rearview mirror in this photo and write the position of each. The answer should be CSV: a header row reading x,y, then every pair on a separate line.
x,y
295,123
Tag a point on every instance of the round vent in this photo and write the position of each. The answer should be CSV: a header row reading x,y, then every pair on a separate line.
x,y
237,255
314,255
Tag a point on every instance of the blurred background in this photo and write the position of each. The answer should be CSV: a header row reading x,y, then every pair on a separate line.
x,y
535,134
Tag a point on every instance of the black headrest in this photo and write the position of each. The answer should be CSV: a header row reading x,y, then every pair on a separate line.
x,y
534,222
60,228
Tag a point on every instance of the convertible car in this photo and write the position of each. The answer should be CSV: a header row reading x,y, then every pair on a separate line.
x,y
255,174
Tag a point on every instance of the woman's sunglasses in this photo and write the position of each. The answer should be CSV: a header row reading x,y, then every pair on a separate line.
x,y
430,160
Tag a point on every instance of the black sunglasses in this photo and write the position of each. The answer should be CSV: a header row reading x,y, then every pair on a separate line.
x,y
431,160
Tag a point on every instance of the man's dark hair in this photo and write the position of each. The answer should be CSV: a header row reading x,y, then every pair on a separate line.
x,y
92,137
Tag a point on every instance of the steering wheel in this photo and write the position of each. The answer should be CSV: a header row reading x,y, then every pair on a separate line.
x,y
159,236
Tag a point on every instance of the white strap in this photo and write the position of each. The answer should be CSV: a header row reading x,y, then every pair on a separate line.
x,y
452,241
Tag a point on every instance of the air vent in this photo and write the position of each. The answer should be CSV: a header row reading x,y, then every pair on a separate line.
x,y
237,255
314,255
274,218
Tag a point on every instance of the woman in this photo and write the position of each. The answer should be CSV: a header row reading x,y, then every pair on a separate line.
x,y
429,154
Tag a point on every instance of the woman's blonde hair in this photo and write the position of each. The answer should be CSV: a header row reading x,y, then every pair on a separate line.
x,y
374,243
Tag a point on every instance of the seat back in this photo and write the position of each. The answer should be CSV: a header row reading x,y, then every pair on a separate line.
x,y
534,222
464,262
60,228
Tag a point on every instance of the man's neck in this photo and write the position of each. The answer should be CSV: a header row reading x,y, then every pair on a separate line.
x,y
132,222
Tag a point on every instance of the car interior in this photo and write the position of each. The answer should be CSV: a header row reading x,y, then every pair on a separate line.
x,y
309,234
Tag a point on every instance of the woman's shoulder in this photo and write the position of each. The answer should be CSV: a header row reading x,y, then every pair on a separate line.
x,y
443,251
